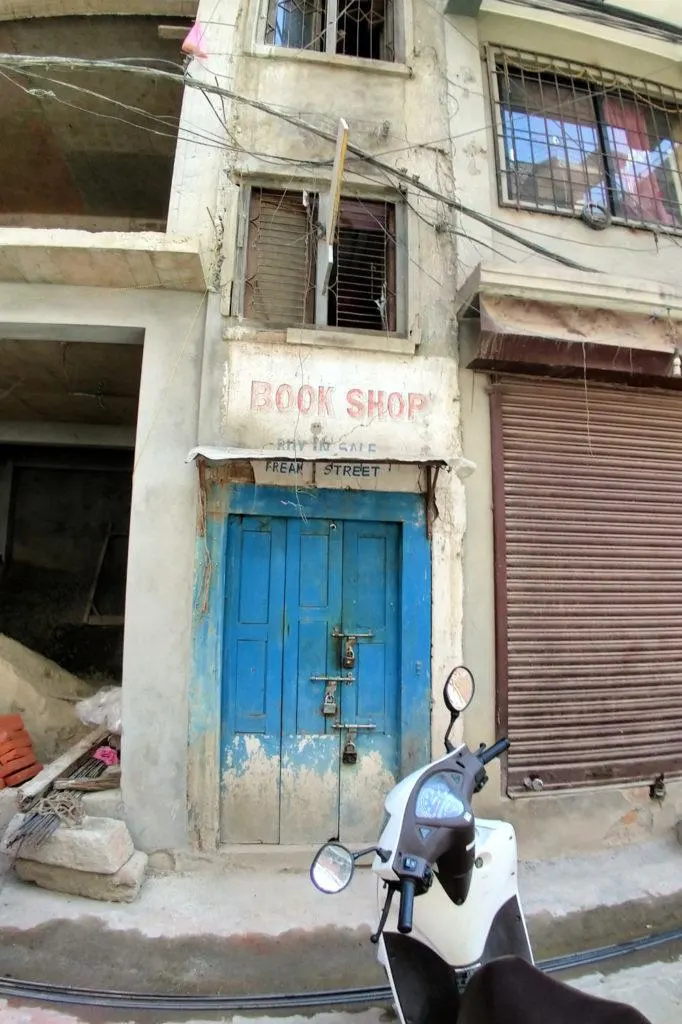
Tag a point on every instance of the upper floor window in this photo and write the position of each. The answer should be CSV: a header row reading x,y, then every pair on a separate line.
x,y
570,136
356,28
286,261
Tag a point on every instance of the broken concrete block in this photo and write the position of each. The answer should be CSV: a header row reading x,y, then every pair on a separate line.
x,y
8,808
122,887
108,803
100,845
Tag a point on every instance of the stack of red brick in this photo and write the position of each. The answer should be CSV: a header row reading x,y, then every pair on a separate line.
x,y
18,762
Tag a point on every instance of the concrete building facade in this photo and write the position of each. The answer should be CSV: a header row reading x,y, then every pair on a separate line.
x,y
449,437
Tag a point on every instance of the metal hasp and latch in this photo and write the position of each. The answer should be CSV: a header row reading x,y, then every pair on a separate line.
x,y
349,754
348,655
330,705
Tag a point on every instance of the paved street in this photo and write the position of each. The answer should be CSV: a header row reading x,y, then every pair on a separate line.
x,y
654,988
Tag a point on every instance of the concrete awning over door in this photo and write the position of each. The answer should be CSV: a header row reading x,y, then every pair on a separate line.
x,y
515,319
215,454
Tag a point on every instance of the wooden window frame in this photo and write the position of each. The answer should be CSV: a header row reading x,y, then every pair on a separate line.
x,y
317,305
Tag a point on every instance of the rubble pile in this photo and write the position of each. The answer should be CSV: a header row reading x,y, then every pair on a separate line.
x,y
54,842
44,695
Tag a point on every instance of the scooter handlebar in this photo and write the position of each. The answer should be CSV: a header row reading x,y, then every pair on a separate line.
x,y
406,911
486,756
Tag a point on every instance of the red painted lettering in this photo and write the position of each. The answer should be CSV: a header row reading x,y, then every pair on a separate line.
x,y
325,406
305,398
415,403
261,395
356,406
284,397
396,405
376,404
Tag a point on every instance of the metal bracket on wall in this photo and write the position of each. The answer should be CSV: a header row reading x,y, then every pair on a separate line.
x,y
432,512
332,679
338,634
353,726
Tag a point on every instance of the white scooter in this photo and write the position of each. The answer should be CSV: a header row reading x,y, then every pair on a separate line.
x,y
467,913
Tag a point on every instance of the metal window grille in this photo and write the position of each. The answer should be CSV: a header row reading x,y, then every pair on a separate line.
x,y
280,279
362,287
356,28
570,136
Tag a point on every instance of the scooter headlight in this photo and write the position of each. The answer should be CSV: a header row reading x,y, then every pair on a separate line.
x,y
437,798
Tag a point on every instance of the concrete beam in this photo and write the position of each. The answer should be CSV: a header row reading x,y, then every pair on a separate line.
x,y
14,10
6,475
462,8
76,434
96,333
108,259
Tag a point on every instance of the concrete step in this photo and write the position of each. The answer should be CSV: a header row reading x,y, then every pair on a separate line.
x,y
234,931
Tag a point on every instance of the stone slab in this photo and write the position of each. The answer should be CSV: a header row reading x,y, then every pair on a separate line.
x,y
100,845
122,887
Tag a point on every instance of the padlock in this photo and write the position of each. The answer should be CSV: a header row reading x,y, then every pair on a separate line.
x,y
350,752
329,706
348,660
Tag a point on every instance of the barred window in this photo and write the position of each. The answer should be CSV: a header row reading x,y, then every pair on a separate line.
x,y
282,286
571,136
356,28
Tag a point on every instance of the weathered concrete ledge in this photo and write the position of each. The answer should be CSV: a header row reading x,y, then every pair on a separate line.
x,y
110,259
268,930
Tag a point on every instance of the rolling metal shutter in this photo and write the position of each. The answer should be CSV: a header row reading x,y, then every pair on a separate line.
x,y
588,524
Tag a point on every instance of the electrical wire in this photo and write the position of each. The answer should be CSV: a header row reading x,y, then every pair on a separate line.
x,y
184,132
187,132
24,61
607,14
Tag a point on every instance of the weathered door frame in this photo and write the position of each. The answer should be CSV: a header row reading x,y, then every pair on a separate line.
x,y
219,500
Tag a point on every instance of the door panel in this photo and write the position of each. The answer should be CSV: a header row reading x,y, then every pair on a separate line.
x,y
252,690
310,746
370,605
292,585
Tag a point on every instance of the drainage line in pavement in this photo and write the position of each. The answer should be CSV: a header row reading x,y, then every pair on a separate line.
x,y
47,993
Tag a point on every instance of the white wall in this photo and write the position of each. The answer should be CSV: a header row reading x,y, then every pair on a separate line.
x,y
617,250
553,823
162,537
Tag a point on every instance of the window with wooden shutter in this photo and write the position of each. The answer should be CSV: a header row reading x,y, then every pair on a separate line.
x,y
281,284
280,260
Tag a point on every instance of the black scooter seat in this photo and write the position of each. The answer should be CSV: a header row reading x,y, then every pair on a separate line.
x,y
512,991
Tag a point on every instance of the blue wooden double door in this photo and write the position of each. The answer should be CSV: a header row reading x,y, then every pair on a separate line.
x,y
311,649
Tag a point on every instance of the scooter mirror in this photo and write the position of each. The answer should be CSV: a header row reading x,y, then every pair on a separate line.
x,y
458,691
332,868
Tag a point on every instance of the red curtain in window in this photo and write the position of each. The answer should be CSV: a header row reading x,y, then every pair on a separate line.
x,y
641,192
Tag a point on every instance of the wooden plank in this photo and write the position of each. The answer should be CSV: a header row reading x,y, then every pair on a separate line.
x,y
38,786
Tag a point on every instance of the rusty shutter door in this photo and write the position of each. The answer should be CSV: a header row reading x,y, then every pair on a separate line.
x,y
588,482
